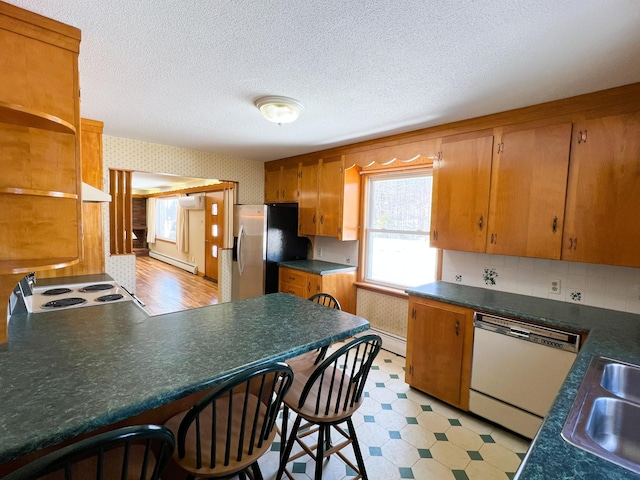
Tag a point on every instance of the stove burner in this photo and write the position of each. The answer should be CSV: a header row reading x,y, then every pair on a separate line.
x,y
64,302
110,298
97,287
56,291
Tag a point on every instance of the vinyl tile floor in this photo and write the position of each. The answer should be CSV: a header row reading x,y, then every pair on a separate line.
x,y
405,433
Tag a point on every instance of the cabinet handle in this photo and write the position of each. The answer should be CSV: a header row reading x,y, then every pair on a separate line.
x,y
480,222
582,136
457,328
554,225
435,235
283,193
322,219
309,286
573,243
494,238
413,313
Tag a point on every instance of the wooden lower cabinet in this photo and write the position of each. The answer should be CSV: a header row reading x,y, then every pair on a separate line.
x,y
303,284
439,350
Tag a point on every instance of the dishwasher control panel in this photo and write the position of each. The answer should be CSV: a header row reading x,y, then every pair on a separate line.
x,y
546,336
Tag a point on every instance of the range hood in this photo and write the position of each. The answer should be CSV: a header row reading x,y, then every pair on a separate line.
x,y
92,194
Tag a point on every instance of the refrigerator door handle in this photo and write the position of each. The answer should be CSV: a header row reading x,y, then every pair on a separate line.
x,y
239,249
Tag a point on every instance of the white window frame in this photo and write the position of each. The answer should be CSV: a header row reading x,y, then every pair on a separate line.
x,y
160,228
368,231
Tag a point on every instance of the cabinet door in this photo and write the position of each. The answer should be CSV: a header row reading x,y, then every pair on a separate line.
x,y
330,187
439,350
308,199
460,202
314,284
289,183
601,221
272,185
528,190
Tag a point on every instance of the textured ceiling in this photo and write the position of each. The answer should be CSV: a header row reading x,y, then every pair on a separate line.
x,y
186,73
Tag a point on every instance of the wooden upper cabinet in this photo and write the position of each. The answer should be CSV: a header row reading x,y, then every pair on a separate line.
x,y
329,199
281,183
601,221
528,189
460,204
308,198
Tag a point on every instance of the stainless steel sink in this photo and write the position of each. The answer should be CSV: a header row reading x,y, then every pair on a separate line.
x,y
605,415
622,380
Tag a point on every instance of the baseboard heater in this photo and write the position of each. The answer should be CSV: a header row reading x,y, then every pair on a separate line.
x,y
392,343
189,267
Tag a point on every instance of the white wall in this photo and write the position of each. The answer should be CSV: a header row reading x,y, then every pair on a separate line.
x,y
126,154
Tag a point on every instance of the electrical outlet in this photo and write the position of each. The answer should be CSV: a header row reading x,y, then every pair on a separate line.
x,y
319,252
554,286
348,259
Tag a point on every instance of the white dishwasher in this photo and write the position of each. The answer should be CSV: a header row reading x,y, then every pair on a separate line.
x,y
517,370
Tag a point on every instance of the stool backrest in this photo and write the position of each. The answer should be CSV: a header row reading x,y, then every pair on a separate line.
x,y
336,385
140,452
325,299
235,432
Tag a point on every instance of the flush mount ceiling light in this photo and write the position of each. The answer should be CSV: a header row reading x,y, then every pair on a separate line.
x,y
279,109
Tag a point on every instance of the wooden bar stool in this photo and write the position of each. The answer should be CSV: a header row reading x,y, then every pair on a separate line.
x,y
229,429
130,453
325,397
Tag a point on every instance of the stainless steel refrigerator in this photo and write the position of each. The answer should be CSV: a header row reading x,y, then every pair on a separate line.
x,y
263,236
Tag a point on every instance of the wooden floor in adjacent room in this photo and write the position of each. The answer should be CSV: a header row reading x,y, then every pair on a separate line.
x,y
164,288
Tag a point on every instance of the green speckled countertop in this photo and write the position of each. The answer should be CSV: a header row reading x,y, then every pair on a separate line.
x,y
319,267
611,334
69,372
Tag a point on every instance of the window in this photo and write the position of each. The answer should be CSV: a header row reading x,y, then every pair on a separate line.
x,y
398,216
166,218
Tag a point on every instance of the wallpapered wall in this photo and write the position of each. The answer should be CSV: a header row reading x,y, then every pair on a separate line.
x,y
126,154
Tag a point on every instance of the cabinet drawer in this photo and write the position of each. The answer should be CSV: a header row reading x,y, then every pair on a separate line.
x,y
293,289
293,277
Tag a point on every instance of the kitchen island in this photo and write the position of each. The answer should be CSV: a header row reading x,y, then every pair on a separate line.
x,y
611,334
67,373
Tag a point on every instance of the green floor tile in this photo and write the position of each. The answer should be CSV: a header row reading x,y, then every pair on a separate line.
x,y
375,451
487,439
299,467
424,453
393,435
460,475
387,360
275,447
369,419
412,420
401,395
426,408
511,475
521,455
375,367
386,406
350,472
394,376
474,455
441,437
380,385
454,422
405,472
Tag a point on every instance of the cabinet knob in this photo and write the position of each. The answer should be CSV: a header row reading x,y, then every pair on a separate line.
x,y
554,225
480,222
457,328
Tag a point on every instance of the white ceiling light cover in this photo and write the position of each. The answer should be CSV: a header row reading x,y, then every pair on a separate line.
x,y
279,109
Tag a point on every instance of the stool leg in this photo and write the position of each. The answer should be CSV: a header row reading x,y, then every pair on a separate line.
x,y
320,451
356,449
285,455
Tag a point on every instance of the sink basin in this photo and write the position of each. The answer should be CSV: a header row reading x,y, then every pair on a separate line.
x,y
622,380
605,415
613,424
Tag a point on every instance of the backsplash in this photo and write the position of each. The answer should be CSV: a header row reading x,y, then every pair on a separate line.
x,y
604,286
333,250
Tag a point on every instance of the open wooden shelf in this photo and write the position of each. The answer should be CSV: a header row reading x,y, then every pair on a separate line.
x,y
28,117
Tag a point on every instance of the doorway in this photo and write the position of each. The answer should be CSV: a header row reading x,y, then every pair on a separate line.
x,y
214,232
